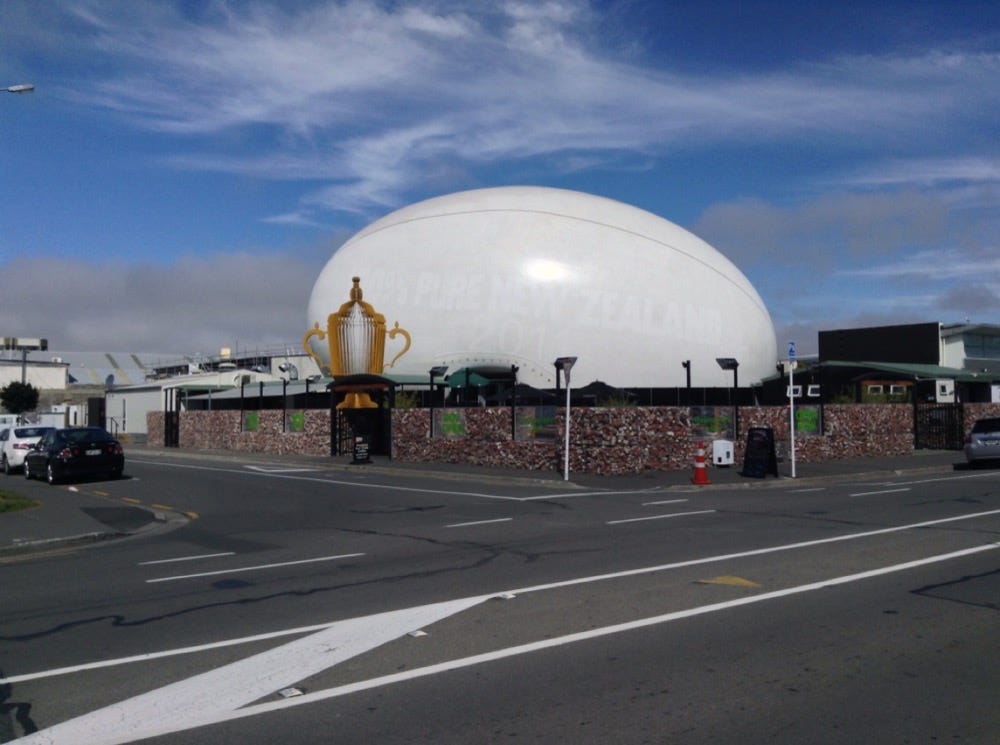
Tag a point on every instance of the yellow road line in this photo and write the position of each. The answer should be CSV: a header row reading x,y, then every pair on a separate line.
x,y
728,580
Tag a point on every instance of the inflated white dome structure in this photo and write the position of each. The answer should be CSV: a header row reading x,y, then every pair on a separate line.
x,y
522,275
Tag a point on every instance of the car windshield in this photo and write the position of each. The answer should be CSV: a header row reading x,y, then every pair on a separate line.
x,y
85,435
30,431
986,425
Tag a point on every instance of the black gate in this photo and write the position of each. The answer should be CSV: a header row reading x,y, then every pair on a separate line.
x,y
372,420
939,427
372,424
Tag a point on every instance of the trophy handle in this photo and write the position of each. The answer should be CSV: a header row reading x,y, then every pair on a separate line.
x,y
406,335
316,331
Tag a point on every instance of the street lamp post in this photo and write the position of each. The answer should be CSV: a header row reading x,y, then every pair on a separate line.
x,y
293,374
791,401
566,364
435,372
24,346
513,401
728,363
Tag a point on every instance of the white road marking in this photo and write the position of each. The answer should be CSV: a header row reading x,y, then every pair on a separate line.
x,y
664,501
185,558
873,493
390,487
341,482
299,631
205,700
803,491
279,469
594,493
217,692
251,569
504,593
480,522
658,517
943,478
512,593
754,552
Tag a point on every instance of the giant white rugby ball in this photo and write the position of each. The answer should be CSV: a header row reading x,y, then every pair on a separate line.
x,y
523,275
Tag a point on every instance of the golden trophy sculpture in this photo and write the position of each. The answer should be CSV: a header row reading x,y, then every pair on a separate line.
x,y
355,336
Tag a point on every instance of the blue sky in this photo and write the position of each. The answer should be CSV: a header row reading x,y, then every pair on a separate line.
x,y
184,169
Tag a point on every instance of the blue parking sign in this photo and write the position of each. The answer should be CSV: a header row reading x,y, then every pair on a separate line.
x,y
791,350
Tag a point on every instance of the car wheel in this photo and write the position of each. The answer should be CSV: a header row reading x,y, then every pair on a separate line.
x,y
27,471
50,474
6,467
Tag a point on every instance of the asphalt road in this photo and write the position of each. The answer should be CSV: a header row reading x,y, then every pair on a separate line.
x,y
305,605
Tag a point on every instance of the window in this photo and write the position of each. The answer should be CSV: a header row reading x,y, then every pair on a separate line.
x,y
982,346
874,389
813,390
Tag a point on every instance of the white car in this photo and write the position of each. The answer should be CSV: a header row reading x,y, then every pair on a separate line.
x,y
15,442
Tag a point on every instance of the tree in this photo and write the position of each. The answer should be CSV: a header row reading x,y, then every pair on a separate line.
x,y
18,398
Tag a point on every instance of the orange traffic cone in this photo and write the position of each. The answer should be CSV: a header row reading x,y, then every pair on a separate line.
x,y
700,471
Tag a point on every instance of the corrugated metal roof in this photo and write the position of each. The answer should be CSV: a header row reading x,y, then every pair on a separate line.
x,y
917,372
274,387
93,368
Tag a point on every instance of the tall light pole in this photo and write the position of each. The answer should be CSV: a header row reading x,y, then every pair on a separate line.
x,y
435,372
791,401
513,401
566,364
24,346
728,363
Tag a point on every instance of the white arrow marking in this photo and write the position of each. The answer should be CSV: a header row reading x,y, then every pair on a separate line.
x,y
218,692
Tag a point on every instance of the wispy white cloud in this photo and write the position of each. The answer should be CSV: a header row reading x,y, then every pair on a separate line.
x,y
825,232
360,107
370,96
937,264
851,259
925,172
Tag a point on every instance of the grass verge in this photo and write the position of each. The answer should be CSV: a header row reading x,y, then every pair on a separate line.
x,y
11,502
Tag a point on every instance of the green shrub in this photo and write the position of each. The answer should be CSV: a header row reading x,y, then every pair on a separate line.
x,y
407,400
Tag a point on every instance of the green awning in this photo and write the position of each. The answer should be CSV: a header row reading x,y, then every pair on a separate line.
x,y
915,371
467,377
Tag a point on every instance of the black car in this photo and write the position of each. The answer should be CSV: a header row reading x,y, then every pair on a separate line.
x,y
75,452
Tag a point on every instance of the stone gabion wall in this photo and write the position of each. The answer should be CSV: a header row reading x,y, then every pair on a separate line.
x,y
850,431
220,430
603,440
154,428
972,412
634,440
487,441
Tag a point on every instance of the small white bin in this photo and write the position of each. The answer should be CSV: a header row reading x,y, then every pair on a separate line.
x,y
722,452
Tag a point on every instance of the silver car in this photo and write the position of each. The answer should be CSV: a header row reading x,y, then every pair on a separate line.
x,y
983,441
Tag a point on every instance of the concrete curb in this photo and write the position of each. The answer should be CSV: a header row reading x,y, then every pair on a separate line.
x,y
160,520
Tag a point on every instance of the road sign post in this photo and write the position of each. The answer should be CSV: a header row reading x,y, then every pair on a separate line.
x,y
791,401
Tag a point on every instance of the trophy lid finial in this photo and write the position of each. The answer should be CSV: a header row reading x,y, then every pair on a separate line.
x,y
356,293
